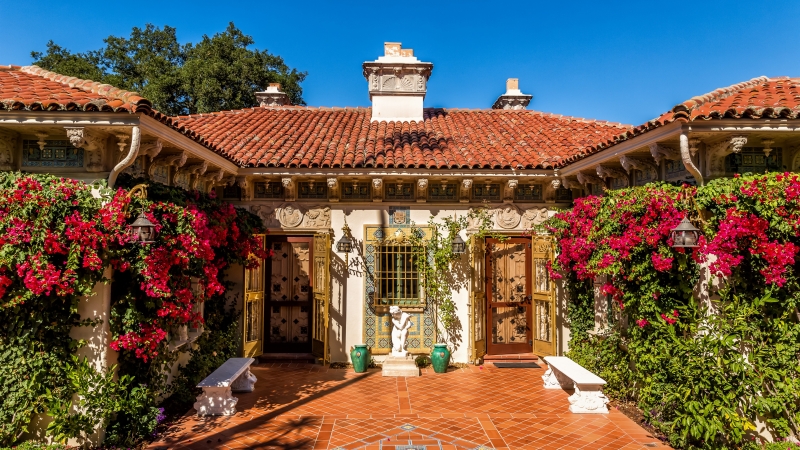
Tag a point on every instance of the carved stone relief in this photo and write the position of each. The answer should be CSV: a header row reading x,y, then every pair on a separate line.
x,y
288,188
508,192
289,216
508,216
473,223
75,136
150,148
8,147
377,189
318,217
267,215
333,189
422,189
466,188
534,216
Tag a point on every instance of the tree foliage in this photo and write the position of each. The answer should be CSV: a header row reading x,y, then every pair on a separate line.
x,y
220,72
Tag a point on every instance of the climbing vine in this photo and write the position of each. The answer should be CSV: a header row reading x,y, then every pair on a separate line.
x,y
708,372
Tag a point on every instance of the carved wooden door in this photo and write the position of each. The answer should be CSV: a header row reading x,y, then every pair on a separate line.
x,y
508,296
321,302
544,304
289,306
477,302
253,309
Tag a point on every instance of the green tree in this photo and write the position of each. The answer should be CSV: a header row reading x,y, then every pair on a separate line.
x,y
218,73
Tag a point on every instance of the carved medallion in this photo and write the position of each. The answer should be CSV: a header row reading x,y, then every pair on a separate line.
x,y
289,216
508,216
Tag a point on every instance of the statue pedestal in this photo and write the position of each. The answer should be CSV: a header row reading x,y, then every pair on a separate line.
x,y
398,366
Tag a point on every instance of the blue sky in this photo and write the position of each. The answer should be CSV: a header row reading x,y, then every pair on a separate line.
x,y
622,61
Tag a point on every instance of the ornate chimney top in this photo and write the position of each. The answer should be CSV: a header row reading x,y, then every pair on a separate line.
x,y
397,84
513,98
272,96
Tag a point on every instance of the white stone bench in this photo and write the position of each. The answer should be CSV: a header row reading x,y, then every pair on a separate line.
x,y
232,376
564,373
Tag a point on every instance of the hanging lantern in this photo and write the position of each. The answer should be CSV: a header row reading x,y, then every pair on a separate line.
x,y
685,234
458,245
143,230
345,244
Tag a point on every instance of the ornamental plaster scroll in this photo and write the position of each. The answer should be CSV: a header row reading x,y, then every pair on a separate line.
x,y
661,152
508,192
588,399
610,172
177,160
216,401
75,136
8,146
122,142
553,379
246,382
533,217
585,179
767,144
508,216
150,149
288,188
377,189
422,189
571,183
195,171
333,189
716,154
466,188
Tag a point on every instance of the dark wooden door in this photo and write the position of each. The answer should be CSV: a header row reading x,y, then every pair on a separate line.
x,y
508,296
288,312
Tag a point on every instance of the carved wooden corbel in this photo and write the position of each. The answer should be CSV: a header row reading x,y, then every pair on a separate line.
x,y
661,152
8,147
288,188
570,183
609,172
422,190
466,190
508,192
767,143
75,136
585,179
333,189
150,148
377,190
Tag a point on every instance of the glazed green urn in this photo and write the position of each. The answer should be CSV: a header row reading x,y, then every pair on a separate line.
x,y
359,354
440,358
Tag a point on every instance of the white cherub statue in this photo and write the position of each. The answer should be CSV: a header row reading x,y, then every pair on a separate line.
x,y
401,322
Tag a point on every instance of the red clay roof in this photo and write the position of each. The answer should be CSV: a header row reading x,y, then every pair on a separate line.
x,y
759,98
35,89
445,139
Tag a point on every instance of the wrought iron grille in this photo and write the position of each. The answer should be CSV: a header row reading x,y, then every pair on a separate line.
x,y
356,191
396,275
233,192
399,191
528,192
564,194
271,189
54,154
489,192
447,192
753,160
310,190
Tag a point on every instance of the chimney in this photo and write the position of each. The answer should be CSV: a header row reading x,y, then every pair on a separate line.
x,y
513,98
272,96
397,84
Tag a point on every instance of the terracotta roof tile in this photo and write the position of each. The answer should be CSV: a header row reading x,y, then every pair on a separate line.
x,y
759,98
444,139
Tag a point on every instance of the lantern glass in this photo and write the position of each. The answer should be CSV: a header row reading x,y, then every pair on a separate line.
x,y
458,245
143,230
345,245
685,234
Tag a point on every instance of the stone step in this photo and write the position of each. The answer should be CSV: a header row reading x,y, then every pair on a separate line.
x,y
512,357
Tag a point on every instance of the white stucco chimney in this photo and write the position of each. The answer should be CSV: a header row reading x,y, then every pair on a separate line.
x,y
397,84
273,96
513,98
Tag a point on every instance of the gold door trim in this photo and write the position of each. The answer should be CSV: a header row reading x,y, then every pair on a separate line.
x,y
477,304
544,302
253,308
321,302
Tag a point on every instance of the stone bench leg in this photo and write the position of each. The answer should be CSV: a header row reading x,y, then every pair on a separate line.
x,y
216,401
588,399
246,382
553,379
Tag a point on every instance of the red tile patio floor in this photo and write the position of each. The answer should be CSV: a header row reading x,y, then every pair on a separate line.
x,y
303,406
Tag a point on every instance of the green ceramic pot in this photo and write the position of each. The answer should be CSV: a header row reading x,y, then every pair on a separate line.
x,y
359,354
440,358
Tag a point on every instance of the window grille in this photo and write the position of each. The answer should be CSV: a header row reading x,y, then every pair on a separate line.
x,y
528,192
161,174
447,192
397,280
399,191
55,154
183,180
489,192
563,194
312,190
272,189
753,160
356,191
232,192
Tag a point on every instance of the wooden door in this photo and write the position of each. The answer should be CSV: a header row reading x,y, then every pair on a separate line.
x,y
544,304
321,302
289,304
253,309
508,290
477,302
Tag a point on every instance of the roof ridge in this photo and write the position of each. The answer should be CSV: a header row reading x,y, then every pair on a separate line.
x,y
536,112
94,87
719,94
